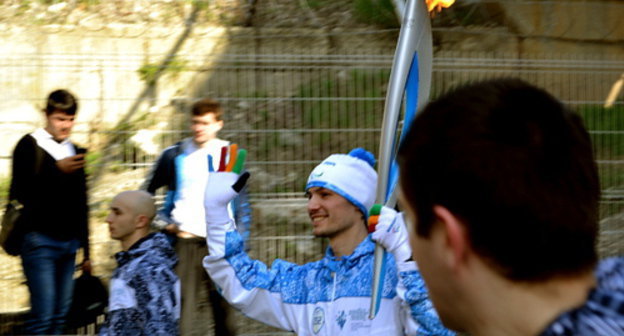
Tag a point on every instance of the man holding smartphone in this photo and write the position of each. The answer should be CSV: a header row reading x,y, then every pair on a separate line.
x,y
49,180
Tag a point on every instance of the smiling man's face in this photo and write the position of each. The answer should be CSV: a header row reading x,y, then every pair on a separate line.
x,y
331,214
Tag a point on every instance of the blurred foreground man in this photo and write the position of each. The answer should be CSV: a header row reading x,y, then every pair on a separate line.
x,y
144,290
502,190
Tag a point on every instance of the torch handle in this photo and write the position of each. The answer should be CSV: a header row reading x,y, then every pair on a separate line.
x,y
415,33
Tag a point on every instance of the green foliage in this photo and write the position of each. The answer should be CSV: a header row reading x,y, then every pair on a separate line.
x,y
366,112
89,2
599,118
267,143
149,72
115,166
263,114
315,4
347,100
23,7
253,94
606,128
99,213
93,159
201,4
380,12
5,184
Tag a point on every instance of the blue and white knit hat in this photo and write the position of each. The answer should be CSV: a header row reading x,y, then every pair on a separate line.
x,y
351,176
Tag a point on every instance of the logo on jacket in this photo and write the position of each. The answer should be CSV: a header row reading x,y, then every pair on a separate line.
x,y
318,319
359,320
341,319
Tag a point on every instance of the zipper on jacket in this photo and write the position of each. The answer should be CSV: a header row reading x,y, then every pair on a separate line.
x,y
331,305
333,297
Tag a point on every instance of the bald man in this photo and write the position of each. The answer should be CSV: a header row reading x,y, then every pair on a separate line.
x,y
144,290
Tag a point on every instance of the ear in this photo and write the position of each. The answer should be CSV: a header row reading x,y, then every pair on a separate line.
x,y
219,125
141,221
455,237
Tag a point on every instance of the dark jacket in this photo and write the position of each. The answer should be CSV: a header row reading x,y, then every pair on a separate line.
x,y
55,203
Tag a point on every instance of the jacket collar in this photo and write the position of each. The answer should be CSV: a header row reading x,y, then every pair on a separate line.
x,y
57,150
365,248
134,250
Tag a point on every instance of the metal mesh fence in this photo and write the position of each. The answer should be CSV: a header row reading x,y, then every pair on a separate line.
x,y
291,107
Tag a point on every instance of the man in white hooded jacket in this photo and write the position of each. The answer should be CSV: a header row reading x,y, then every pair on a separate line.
x,y
330,296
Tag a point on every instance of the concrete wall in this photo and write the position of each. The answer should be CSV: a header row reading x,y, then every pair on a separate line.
x,y
101,68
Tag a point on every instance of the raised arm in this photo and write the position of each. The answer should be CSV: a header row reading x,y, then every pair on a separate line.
x,y
245,283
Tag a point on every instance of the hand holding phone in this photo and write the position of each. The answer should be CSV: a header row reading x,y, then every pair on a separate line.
x,y
73,163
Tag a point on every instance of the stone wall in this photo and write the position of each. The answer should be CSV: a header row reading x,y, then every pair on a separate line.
x,y
102,68
100,63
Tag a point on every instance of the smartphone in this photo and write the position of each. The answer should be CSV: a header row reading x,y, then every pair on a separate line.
x,y
81,150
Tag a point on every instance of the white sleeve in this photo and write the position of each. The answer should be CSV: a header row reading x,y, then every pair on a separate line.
x,y
245,283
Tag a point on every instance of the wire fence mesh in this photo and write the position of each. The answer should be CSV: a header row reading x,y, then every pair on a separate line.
x,y
291,107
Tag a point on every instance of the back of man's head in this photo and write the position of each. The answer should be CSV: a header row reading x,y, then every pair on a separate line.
x,y
516,167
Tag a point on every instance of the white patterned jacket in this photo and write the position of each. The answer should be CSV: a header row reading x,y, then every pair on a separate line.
x,y
325,297
144,294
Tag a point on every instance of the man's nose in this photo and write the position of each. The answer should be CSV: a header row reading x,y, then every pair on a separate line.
x,y
313,204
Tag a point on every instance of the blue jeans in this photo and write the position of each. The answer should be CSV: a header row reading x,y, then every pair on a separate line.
x,y
49,269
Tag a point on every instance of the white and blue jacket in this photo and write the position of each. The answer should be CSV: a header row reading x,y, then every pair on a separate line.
x,y
144,291
329,297
167,172
603,312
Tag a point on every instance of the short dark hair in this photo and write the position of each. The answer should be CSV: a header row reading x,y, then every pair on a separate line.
x,y
63,101
516,167
205,106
